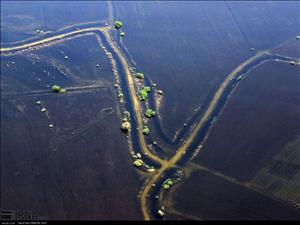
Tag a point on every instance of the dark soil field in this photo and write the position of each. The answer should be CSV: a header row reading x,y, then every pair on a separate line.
x,y
252,153
260,118
291,48
20,20
214,198
188,48
64,156
73,170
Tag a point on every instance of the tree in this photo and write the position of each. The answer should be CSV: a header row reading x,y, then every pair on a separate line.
x,y
126,126
146,130
140,75
150,113
118,24
56,88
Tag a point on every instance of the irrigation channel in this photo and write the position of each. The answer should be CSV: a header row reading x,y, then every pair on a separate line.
x,y
188,140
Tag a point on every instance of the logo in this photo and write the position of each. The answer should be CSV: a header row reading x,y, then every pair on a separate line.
x,y
19,215
7,215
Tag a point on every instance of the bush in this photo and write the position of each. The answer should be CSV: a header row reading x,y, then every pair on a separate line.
x,y
126,126
138,163
118,24
143,94
146,130
166,186
150,113
56,88
170,182
140,75
147,88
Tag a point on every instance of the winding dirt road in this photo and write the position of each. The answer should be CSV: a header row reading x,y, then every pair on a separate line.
x,y
165,164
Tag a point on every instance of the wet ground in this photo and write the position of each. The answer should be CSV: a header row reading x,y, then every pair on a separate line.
x,y
259,119
188,48
31,19
78,170
250,152
72,170
214,198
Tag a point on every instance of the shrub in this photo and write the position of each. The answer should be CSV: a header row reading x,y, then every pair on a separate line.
x,y
146,130
126,126
150,113
118,24
140,75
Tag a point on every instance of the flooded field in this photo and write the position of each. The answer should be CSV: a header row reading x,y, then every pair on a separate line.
x,y
160,36
40,69
213,198
290,48
262,114
67,171
220,80
33,19
251,154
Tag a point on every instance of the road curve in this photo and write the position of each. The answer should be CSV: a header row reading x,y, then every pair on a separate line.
x,y
165,164
136,105
49,39
181,150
